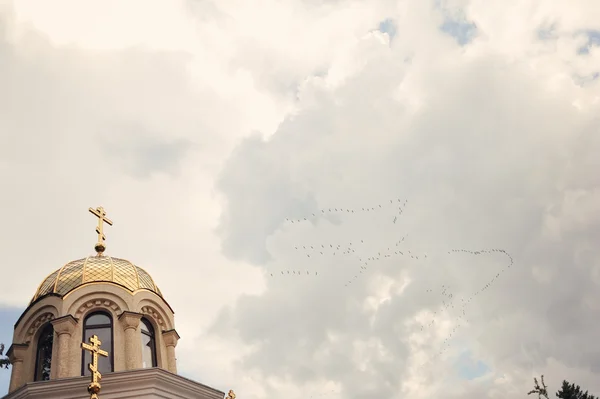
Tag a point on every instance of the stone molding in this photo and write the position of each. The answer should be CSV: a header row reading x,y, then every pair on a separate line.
x,y
97,303
150,311
64,328
132,348
130,320
17,352
64,325
153,383
66,314
170,337
50,305
39,321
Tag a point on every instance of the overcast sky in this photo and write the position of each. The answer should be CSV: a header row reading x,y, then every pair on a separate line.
x,y
340,199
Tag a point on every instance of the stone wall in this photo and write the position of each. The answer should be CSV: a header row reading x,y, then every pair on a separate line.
x,y
67,315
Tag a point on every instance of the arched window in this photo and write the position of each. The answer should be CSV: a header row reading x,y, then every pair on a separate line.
x,y
148,344
43,360
99,324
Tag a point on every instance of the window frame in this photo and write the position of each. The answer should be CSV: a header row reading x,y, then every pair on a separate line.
x,y
43,331
112,338
152,335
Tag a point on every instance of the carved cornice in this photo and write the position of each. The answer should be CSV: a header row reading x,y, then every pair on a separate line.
x,y
154,314
64,325
170,337
97,303
39,321
16,352
130,319
146,383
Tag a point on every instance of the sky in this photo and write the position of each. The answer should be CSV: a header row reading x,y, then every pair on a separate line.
x,y
339,199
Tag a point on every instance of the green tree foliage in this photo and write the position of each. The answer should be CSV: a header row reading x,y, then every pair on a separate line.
x,y
572,391
567,391
4,362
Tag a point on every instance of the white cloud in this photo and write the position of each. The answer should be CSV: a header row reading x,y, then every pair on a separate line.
x,y
201,126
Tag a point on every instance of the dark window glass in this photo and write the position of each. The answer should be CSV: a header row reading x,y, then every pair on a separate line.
x,y
99,324
148,345
44,354
97,319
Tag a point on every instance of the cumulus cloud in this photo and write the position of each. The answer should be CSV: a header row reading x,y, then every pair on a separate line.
x,y
126,128
343,199
484,146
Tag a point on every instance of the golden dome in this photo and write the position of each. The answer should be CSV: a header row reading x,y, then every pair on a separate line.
x,y
96,269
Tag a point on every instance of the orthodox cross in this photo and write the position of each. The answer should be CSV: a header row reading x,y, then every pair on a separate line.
x,y
100,213
230,395
94,348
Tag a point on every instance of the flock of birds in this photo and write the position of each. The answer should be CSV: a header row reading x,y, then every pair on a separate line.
x,y
378,207
355,250
347,248
449,302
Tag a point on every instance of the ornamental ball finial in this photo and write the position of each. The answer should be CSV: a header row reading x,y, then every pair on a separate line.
x,y
100,248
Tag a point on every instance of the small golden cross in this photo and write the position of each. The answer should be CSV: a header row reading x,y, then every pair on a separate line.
x,y
94,348
100,213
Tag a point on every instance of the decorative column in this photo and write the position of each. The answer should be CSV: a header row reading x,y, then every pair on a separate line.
x,y
171,337
16,354
64,328
133,342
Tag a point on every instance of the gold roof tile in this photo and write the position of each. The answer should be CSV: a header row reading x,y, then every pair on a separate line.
x,y
96,269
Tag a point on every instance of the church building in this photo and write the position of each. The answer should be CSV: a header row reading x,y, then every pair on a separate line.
x,y
99,327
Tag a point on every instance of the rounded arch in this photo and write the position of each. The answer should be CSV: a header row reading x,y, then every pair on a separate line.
x,y
44,345
99,322
149,346
96,300
30,361
97,305
150,313
32,319
41,321
162,319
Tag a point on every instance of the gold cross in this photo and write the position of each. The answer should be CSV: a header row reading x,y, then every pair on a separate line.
x,y
100,213
94,348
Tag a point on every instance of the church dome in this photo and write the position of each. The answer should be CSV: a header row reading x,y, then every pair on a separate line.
x,y
96,269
